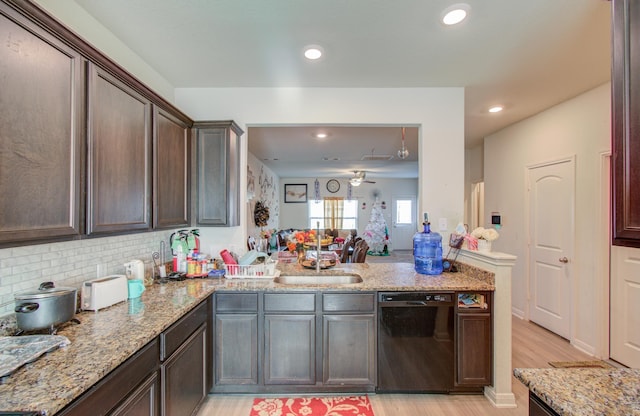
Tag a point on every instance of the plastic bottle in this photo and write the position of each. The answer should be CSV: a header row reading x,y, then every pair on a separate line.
x,y
427,251
182,260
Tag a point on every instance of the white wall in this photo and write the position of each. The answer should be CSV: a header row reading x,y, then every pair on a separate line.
x,y
580,127
473,173
296,216
263,186
438,111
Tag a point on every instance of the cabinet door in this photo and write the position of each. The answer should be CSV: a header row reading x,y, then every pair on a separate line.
x,y
184,376
236,353
170,171
218,173
119,127
625,83
41,127
143,400
349,349
289,349
473,358
538,408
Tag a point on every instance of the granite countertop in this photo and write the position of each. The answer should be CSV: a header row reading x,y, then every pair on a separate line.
x,y
100,343
376,276
105,339
585,391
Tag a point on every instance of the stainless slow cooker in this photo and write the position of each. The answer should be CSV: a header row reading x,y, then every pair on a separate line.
x,y
45,307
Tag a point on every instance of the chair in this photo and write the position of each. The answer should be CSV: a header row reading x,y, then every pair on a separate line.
x,y
344,257
360,252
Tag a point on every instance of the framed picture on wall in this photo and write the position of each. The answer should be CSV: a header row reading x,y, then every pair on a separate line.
x,y
295,192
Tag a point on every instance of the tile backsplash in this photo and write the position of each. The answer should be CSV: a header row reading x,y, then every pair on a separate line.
x,y
71,263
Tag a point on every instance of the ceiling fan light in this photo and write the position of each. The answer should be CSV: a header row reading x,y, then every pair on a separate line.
x,y
403,153
355,181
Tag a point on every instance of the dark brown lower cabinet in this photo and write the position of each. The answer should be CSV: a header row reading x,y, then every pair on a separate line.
x,y
473,346
236,352
236,340
349,340
290,349
184,376
143,400
167,377
538,408
349,350
294,342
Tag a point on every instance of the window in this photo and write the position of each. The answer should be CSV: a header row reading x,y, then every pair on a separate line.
x,y
327,213
404,216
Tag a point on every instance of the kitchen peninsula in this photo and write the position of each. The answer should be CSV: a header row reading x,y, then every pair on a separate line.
x,y
106,339
582,391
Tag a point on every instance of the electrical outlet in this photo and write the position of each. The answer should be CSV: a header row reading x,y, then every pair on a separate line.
x,y
442,224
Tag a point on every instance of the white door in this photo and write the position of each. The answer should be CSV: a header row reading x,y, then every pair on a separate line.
x,y
625,307
404,222
551,214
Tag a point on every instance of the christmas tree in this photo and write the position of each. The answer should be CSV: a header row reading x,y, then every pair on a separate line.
x,y
376,234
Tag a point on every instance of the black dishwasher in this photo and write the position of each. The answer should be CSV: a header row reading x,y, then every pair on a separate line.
x,y
415,342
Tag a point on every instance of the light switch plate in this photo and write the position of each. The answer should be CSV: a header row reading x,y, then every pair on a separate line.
x,y
442,224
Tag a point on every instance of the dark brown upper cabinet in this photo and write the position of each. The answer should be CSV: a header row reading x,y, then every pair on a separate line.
x,y
625,84
119,148
217,173
41,133
171,135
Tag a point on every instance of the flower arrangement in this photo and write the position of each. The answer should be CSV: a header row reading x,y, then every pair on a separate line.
x,y
481,238
488,234
296,240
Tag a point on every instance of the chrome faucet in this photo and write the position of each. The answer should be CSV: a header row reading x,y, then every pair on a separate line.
x,y
318,247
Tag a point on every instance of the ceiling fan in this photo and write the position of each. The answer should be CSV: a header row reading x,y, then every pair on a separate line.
x,y
359,178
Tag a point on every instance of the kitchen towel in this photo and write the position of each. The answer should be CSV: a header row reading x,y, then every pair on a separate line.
x,y
313,406
19,350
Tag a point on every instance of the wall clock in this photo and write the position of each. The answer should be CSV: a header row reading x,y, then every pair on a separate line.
x,y
333,186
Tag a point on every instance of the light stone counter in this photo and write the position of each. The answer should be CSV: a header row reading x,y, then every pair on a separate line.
x,y
585,391
376,276
105,339
100,343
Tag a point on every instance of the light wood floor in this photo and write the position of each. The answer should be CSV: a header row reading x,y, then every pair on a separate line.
x,y
533,346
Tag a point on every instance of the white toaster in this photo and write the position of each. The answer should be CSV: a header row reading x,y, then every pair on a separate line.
x,y
104,291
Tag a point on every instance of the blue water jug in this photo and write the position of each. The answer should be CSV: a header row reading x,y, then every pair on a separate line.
x,y
427,251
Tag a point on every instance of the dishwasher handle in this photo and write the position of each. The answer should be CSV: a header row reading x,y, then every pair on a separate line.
x,y
416,303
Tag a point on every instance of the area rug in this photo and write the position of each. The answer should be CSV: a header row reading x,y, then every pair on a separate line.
x,y
312,406
579,364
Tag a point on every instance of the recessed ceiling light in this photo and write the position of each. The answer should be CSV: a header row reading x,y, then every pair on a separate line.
x,y
455,14
313,52
496,109
321,135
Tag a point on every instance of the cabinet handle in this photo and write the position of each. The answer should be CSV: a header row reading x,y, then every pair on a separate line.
x,y
563,260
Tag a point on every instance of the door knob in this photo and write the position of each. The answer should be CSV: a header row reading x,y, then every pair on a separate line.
x,y
563,260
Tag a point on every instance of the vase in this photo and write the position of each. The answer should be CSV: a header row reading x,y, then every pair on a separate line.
x,y
484,245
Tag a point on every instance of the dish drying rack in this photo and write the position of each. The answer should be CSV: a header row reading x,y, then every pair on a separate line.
x,y
266,270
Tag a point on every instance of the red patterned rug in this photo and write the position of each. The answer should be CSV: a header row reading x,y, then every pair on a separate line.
x,y
313,406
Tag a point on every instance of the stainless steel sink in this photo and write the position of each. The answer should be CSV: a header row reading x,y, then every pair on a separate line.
x,y
318,279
